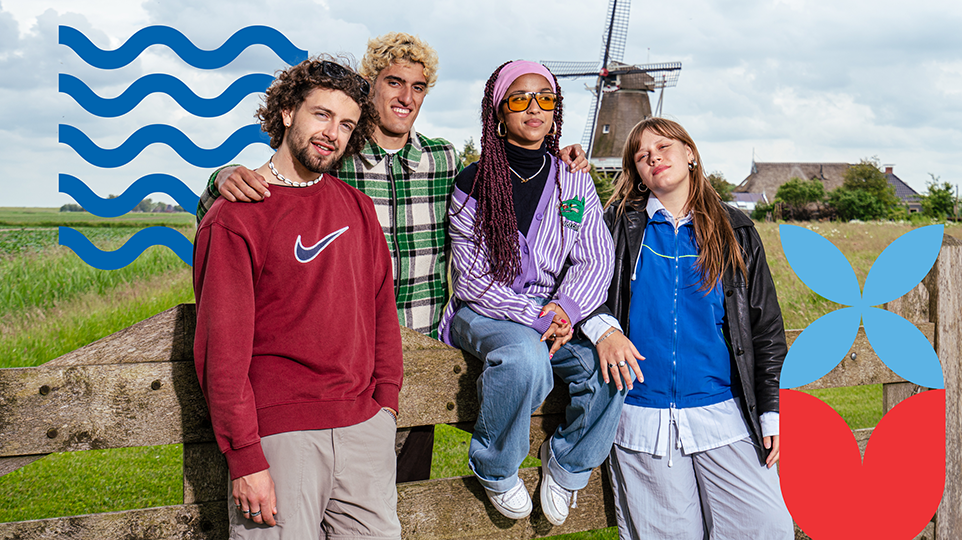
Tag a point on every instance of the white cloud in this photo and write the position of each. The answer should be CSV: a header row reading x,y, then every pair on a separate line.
x,y
795,80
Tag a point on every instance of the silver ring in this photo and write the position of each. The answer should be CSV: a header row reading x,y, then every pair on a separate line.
x,y
611,365
237,506
622,363
244,511
255,514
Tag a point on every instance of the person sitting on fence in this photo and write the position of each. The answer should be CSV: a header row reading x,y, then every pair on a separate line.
x,y
298,347
698,437
516,216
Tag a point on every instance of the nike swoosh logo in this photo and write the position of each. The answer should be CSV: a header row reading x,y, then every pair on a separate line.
x,y
307,254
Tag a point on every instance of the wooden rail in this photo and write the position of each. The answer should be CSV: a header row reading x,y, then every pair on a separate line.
x,y
137,387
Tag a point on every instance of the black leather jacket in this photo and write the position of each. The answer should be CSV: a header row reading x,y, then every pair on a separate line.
x,y
753,319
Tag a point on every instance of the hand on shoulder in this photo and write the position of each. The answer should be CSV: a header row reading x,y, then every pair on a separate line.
x,y
240,184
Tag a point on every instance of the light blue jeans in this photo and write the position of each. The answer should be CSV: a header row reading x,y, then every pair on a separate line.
x,y
516,378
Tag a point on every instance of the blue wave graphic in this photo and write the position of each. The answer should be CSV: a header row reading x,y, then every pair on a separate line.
x,y
162,133
127,253
165,84
180,45
145,185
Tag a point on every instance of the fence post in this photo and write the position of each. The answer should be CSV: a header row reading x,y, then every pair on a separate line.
x,y
947,316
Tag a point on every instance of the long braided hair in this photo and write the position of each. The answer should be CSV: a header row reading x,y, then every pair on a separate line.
x,y
496,226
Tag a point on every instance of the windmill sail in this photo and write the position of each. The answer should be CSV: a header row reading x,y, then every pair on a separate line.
x,y
615,33
573,69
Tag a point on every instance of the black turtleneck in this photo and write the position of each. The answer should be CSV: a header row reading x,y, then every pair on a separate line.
x,y
533,164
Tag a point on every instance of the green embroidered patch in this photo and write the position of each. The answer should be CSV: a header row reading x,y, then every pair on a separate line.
x,y
573,209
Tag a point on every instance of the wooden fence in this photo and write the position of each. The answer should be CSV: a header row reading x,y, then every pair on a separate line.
x,y
138,388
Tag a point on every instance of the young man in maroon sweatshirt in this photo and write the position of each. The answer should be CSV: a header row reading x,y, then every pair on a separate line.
x,y
298,347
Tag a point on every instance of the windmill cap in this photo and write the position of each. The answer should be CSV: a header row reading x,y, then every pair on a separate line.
x,y
510,72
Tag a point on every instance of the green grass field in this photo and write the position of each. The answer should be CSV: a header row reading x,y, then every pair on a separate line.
x,y
52,303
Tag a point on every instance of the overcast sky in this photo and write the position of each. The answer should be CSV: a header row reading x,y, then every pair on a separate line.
x,y
785,80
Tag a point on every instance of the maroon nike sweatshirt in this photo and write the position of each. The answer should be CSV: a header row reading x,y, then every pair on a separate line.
x,y
297,327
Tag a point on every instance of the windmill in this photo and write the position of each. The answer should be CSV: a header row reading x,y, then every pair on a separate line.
x,y
621,90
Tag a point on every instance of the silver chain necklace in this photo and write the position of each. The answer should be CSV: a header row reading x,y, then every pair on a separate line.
x,y
284,179
523,179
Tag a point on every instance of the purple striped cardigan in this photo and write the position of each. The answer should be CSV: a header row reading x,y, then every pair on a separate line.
x,y
574,229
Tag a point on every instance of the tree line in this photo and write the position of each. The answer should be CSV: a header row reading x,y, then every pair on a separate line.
x,y
145,205
865,194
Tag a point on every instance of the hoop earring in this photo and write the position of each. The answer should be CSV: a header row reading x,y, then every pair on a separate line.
x,y
502,130
692,165
641,187
554,129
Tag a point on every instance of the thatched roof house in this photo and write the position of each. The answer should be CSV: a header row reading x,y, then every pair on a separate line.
x,y
768,177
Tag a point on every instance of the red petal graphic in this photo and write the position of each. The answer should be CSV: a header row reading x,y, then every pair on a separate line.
x,y
832,494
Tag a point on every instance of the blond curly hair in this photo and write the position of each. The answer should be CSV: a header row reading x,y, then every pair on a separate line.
x,y
393,47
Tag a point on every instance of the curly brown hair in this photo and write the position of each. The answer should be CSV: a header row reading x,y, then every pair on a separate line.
x,y
292,86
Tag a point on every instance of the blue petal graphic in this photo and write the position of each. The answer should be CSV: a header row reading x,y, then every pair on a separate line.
x,y
164,84
903,265
187,51
820,265
820,347
131,197
903,348
127,253
161,133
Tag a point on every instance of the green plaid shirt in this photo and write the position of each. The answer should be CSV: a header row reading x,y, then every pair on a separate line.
x,y
411,190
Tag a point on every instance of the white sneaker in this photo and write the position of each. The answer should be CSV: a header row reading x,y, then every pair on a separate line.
x,y
514,503
554,498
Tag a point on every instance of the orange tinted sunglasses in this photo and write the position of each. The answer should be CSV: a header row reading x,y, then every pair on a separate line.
x,y
519,102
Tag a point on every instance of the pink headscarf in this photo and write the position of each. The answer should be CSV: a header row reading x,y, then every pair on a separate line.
x,y
512,71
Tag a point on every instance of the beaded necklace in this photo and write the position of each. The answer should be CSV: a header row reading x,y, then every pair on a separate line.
x,y
284,179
